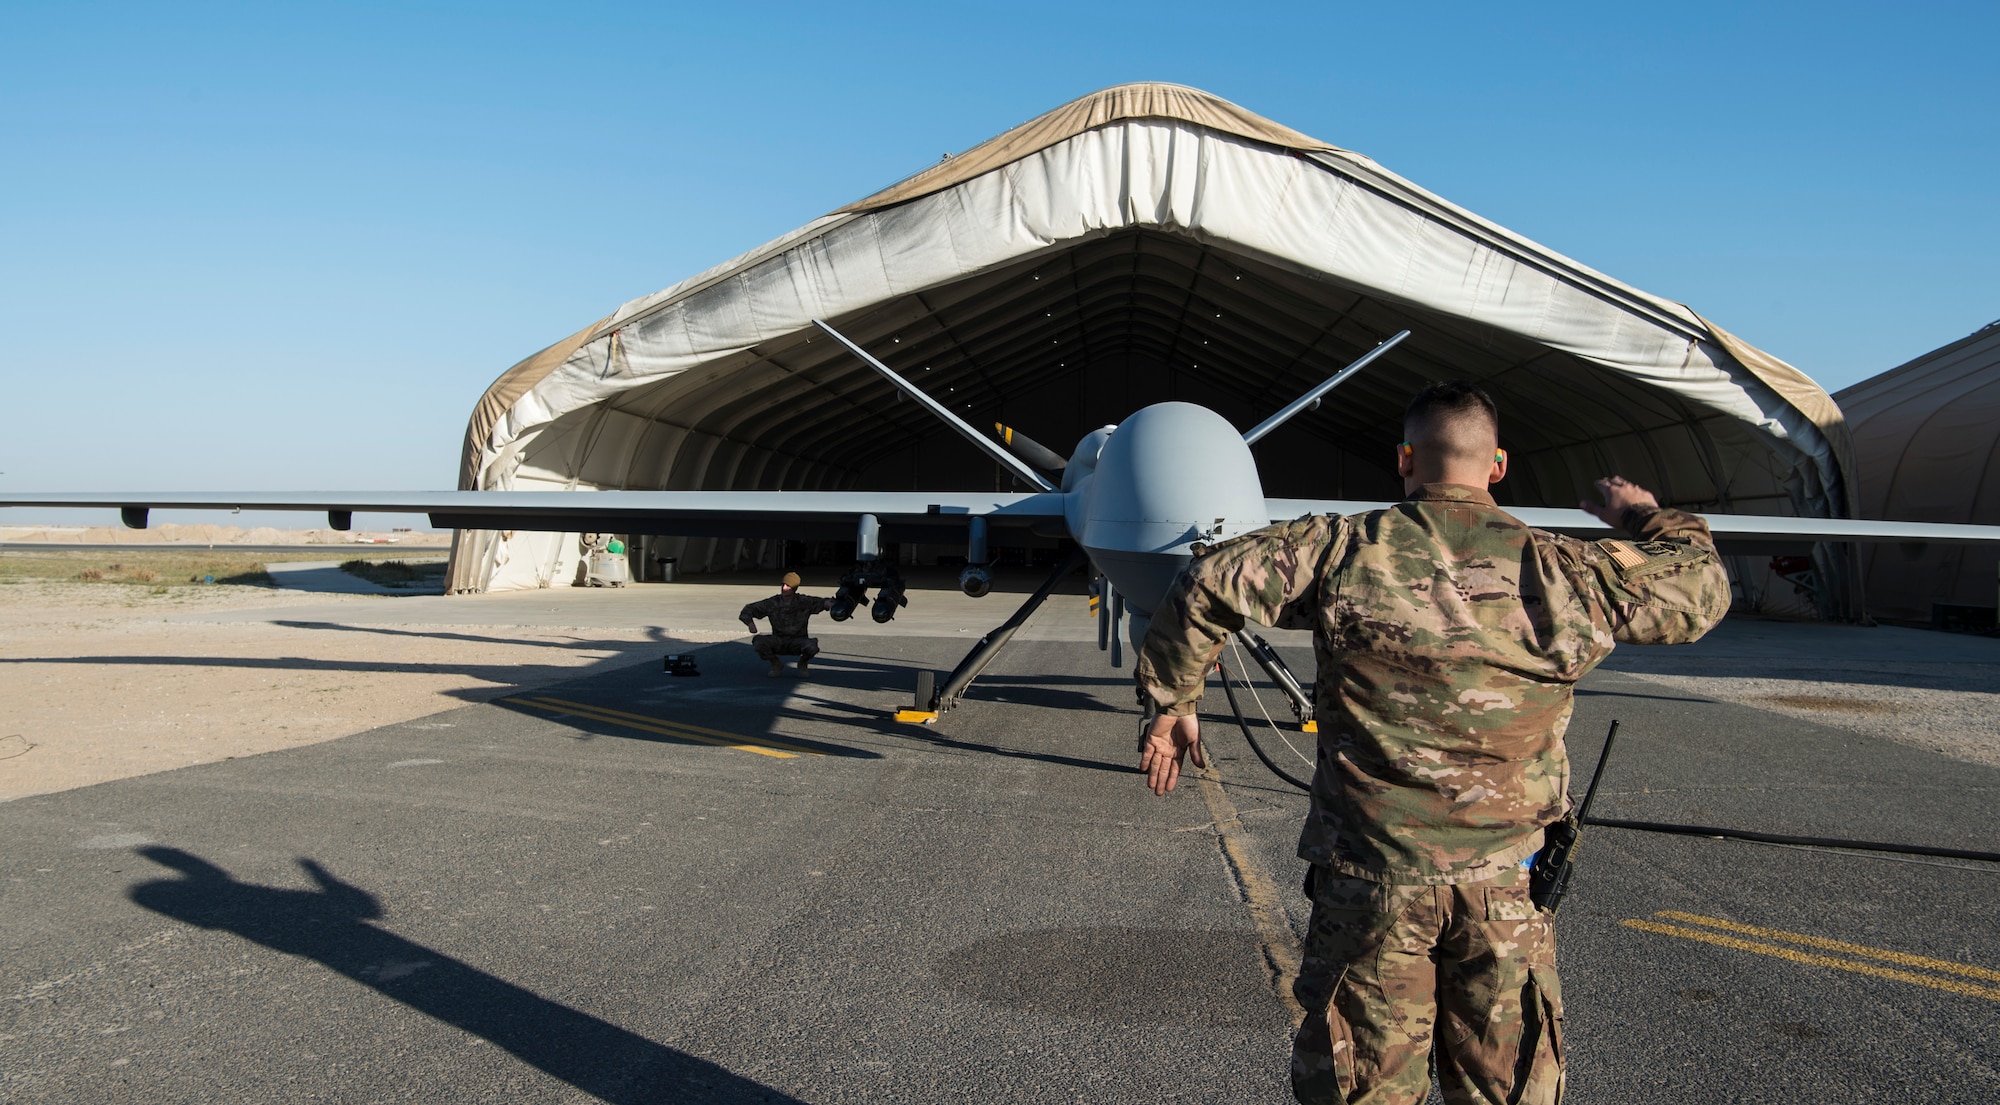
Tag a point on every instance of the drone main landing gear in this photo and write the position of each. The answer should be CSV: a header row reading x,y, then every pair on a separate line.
x,y
1296,696
931,700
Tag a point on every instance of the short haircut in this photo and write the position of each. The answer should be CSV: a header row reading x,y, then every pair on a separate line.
x,y
1455,421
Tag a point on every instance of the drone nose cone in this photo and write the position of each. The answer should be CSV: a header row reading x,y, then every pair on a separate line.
x,y
1171,474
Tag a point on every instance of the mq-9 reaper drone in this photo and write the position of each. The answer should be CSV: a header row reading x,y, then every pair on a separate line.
x,y
1136,498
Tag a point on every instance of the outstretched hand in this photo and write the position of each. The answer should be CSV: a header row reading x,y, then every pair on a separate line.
x,y
1620,495
1167,742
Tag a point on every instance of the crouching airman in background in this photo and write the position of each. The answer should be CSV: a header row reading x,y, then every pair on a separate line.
x,y
788,612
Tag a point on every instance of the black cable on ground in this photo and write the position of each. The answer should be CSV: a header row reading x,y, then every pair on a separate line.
x,y
1797,841
1658,826
1243,724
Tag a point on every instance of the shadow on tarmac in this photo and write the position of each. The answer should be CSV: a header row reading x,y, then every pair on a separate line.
x,y
496,679
849,673
1583,692
1974,674
330,927
587,727
654,634
735,696
1046,690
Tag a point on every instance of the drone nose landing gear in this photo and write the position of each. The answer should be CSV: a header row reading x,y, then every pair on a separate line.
x,y
930,702
1108,603
1296,696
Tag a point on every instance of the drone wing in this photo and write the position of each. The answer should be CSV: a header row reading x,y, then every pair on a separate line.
x,y
1747,533
798,515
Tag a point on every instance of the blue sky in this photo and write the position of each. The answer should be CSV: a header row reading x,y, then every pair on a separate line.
x,y
263,246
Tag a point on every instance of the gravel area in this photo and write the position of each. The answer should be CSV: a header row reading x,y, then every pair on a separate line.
x,y
104,682
1936,691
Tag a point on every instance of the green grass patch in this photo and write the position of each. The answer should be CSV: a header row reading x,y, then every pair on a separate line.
x,y
396,573
152,568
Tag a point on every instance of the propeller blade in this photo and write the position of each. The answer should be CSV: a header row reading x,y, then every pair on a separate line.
x,y
964,428
1310,400
1028,449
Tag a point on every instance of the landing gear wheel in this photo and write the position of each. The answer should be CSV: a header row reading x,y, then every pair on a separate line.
x,y
926,689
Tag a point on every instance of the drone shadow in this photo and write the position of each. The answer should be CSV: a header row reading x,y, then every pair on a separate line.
x,y
585,726
330,926
654,635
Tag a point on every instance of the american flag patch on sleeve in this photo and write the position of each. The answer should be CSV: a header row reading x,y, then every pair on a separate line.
x,y
1623,554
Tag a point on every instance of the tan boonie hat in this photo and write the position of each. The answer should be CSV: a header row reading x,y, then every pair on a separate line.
x,y
791,579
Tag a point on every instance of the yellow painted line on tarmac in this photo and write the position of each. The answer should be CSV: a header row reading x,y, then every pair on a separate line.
x,y
736,739
1950,985
1274,933
769,742
655,725
663,727
1905,958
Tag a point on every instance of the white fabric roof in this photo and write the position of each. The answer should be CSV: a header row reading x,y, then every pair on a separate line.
x,y
1144,243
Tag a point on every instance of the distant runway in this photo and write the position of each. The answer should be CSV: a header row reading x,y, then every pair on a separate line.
x,y
634,888
50,546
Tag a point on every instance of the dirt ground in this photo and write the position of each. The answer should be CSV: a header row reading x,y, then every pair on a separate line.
x,y
202,534
104,680
99,683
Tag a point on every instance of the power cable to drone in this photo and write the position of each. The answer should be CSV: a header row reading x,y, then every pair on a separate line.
x,y
1709,831
1251,738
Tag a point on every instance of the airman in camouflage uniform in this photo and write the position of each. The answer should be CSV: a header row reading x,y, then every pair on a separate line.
x,y
1449,638
789,612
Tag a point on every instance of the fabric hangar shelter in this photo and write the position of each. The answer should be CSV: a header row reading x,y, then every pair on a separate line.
x,y
1145,243
1927,443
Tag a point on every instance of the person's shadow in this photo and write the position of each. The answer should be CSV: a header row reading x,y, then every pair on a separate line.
x,y
330,926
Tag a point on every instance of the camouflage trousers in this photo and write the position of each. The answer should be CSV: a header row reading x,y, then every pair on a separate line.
x,y
1395,973
771,646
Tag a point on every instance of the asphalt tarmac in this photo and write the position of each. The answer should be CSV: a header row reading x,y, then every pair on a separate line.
x,y
636,888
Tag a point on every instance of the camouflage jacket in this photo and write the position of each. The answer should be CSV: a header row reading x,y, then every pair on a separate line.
x,y
788,613
1449,638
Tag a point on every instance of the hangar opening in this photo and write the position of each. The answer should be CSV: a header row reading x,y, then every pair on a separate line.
x,y
1146,243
